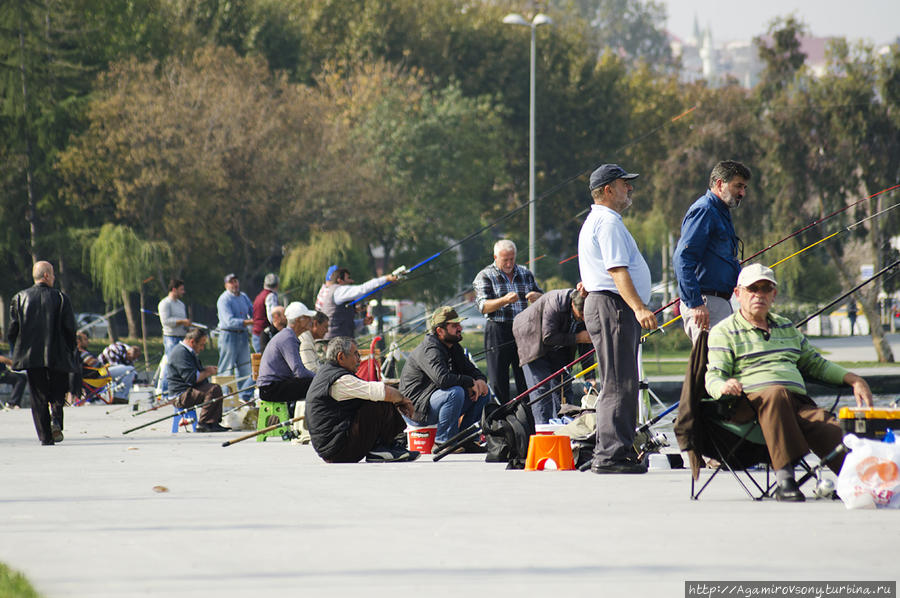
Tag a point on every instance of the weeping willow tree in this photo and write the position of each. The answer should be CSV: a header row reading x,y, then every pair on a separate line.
x,y
303,269
120,262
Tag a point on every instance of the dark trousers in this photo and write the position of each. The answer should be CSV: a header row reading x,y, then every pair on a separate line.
x,y
377,423
48,393
18,382
203,392
792,425
501,354
615,333
285,391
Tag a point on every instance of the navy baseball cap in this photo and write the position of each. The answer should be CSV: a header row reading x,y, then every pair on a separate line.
x,y
607,174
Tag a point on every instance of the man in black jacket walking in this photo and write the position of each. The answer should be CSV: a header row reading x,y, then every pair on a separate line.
x,y
441,381
42,337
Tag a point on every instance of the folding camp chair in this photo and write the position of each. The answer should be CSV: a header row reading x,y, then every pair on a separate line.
x,y
96,383
704,430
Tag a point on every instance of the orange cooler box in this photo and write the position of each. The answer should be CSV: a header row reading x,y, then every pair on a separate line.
x,y
869,422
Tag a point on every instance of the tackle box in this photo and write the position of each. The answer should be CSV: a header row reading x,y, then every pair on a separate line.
x,y
869,422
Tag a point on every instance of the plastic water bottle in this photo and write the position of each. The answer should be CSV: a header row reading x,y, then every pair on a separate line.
x,y
888,436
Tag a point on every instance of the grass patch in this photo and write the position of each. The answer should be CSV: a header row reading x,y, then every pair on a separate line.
x,y
14,585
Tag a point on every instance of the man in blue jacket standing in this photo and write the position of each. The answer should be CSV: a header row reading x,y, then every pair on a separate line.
x,y
706,257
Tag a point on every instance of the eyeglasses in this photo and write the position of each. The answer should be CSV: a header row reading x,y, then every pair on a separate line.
x,y
761,289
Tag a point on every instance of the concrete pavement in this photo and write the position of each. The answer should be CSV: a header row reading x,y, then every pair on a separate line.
x,y
82,519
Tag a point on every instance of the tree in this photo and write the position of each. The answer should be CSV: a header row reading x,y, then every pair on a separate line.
x,y
119,263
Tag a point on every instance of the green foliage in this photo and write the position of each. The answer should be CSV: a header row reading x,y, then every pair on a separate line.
x,y
14,585
304,266
555,282
120,260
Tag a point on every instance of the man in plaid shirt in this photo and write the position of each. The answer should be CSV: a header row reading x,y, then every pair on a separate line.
x,y
502,291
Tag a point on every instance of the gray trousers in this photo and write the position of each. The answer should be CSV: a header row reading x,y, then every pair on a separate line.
x,y
615,333
719,309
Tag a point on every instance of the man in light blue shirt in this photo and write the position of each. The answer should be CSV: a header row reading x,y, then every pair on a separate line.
x,y
617,280
235,314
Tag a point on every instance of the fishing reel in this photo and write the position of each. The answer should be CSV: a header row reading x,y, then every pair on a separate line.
x,y
400,272
646,442
289,433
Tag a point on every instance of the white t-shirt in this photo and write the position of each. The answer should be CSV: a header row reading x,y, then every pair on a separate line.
x,y
605,243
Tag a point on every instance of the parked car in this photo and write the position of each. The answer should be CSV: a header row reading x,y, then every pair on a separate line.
x,y
95,325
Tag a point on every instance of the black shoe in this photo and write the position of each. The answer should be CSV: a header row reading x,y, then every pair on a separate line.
x,y
620,467
788,491
212,428
390,455
438,447
56,430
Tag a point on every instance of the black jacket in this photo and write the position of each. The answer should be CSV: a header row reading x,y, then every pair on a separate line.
x,y
329,420
42,330
433,366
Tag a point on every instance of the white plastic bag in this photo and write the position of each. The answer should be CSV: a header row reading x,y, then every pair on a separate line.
x,y
870,476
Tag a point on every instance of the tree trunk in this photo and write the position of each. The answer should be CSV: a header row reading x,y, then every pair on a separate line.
x,y
869,308
129,314
31,208
144,331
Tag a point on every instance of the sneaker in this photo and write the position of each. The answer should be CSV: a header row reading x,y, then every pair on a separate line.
x,y
57,432
473,447
620,467
390,455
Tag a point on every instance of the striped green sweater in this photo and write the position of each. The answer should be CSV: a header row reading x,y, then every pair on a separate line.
x,y
739,350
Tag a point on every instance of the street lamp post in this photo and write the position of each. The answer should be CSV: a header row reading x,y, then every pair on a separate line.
x,y
537,21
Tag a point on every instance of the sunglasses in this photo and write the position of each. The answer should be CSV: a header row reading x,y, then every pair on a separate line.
x,y
761,289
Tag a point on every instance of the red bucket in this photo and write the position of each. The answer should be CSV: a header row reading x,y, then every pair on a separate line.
x,y
421,439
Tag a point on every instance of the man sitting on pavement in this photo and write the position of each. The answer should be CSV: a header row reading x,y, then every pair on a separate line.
x,y
189,381
546,339
443,383
119,359
277,325
350,418
282,377
762,357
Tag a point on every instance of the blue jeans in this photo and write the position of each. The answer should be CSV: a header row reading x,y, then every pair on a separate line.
x,y
254,340
446,406
123,379
234,359
548,407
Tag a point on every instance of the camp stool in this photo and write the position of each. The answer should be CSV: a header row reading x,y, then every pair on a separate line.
x,y
184,418
270,414
544,447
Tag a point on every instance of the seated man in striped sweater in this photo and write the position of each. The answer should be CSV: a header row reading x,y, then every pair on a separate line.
x,y
763,356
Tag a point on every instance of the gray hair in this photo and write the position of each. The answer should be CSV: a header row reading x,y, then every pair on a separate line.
x,y
339,344
271,281
504,245
195,334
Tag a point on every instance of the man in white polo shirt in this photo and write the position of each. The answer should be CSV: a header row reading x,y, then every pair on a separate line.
x,y
617,280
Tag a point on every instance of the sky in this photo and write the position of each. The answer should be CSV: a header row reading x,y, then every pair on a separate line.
x,y
877,21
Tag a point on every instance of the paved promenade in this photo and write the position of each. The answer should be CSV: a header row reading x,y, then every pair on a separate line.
x,y
82,519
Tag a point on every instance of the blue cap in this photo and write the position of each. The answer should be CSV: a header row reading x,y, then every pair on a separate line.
x,y
607,174
330,272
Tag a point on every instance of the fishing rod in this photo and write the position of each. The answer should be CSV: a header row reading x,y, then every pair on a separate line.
x,y
173,399
282,424
850,292
105,317
475,430
197,324
796,253
201,405
542,196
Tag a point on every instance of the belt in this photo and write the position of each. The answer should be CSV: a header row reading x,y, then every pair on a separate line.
x,y
612,294
725,296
